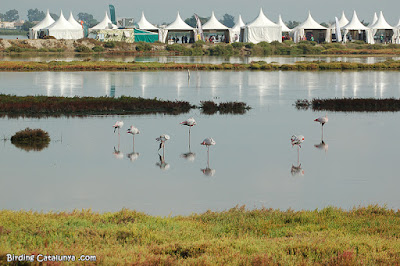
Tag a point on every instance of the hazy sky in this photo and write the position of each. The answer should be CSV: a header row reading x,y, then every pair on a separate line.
x,y
165,11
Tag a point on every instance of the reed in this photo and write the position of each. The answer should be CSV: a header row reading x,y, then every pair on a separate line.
x,y
330,236
351,105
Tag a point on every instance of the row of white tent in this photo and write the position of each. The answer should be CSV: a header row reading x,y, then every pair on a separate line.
x,y
261,29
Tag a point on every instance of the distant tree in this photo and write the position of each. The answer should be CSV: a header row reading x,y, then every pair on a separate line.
x,y
1,17
27,25
192,21
88,19
364,23
228,20
325,24
54,16
292,24
11,15
35,15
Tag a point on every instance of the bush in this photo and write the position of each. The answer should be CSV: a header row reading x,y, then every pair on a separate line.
x,y
82,49
98,49
143,46
249,45
109,44
237,45
31,139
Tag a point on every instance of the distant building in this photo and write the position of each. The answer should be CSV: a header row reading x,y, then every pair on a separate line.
x,y
126,22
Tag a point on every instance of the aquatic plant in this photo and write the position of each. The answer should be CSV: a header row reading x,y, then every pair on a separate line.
x,y
31,139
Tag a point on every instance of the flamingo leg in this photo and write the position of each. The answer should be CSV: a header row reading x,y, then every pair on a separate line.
x,y
189,138
208,156
133,143
298,155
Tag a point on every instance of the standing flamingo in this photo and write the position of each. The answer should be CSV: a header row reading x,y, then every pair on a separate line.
x,y
162,139
118,124
322,120
208,142
297,140
133,130
190,122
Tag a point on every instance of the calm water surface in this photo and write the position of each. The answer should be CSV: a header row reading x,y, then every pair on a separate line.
x,y
253,163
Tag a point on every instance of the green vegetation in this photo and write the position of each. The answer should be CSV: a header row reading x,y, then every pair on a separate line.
x,y
210,107
31,139
143,66
36,106
331,236
351,105
13,32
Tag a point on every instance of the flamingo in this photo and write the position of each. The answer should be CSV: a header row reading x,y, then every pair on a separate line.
x,y
190,122
118,124
297,140
208,142
163,138
133,130
322,120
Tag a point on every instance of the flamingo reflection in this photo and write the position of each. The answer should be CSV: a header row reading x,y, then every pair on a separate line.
x,y
322,146
118,154
208,142
133,155
162,163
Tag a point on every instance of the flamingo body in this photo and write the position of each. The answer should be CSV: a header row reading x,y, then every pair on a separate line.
x,y
322,120
133,130
163,138
118,125
208,142
297,140
189,122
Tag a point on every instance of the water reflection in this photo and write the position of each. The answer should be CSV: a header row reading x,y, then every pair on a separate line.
x,y
134,131
322,146
208,142
118,154
162,163
39,146
296,170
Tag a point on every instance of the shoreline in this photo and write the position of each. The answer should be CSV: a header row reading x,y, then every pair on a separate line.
x,y
24,66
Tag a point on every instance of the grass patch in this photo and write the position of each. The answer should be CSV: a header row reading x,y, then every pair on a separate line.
x,y
31,139
331,236
210,107
351,105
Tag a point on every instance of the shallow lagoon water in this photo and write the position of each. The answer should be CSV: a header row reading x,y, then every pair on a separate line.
x,y
252,159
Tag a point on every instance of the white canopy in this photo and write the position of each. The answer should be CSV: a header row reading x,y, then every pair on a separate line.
x,y
145,25
74,22
262,30
62,29
343,21
308,24
47,21
235,31
381,23
105,24
214,24
283,25
356,25
398,24
178,24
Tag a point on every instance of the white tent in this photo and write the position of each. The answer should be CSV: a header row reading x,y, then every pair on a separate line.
x,y
216,27
384,30
214,24
47,21
235,31
374,20
74,22
177,27
145,25
343,21
62,29
355,28
261,30
283,25
105,24
310,28
396,35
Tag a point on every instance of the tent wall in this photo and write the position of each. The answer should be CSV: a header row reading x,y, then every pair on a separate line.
x,y
145,36
262,34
